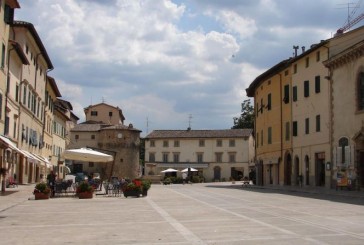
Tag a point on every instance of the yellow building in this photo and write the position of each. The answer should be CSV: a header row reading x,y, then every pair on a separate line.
x,y
272,115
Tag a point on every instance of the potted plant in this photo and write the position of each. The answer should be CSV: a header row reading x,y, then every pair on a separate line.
x,y
146,184
41,191
85,190
133,188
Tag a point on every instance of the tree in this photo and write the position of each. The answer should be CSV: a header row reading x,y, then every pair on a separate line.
x,y
246,119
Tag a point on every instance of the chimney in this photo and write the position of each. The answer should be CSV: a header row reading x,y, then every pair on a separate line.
x,y
303,49
295,50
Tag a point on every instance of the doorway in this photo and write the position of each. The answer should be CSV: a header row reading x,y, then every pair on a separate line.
x,y
297,170
320,169
307,172
217,173
288,170
360,176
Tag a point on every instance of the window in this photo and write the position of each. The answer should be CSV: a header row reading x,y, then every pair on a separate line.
x,y
199,157
307,126
231,143
218,157
152,157
269,135
288,131
286,72
361,91
7,121
93,137
201,143
257,107
8,14
25,95
307,62
165,157
218,143
306,90
91,164
294,128
110,113
269,102
152,143
175,157
257,140
232,157
261,106
93,113
295,68
14,131
317,84
318,123
318,56
3,57
286,94
77,136
176,143
343,151
294,93
17,93
165,143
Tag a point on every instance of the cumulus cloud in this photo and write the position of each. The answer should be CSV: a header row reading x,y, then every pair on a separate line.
x,y
166,59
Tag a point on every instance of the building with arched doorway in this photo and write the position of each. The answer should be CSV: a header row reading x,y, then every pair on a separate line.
x,y
309,125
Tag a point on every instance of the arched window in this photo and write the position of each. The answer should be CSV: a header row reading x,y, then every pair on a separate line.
x,y
342,150
361,91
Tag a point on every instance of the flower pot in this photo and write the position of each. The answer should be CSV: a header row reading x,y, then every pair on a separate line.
x,y
132,193
85,195
41,196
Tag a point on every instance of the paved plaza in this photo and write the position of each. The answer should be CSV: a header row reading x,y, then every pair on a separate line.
x,y
210,213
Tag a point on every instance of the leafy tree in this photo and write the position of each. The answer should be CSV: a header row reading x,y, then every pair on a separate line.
x,y
246,119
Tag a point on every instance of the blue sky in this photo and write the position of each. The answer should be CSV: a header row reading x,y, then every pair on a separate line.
x,y
167,59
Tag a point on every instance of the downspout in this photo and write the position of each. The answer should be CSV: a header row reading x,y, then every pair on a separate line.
x,y
281,112
331,129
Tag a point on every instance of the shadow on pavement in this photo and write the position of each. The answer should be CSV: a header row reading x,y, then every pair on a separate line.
x,y
349,197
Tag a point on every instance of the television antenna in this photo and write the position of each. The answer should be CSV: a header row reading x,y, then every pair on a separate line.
x,y
351,21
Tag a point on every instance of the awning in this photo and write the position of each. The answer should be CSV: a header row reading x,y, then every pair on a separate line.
x,y
182,165
9,143
30,157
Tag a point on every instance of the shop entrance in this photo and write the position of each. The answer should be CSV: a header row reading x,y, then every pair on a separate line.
x,y
288,170
320,169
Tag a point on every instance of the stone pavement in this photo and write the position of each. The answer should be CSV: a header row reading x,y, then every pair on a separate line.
x,y
209,213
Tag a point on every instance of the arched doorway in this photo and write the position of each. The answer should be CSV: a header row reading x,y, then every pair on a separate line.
x,y
288,170
297,170
217,173
307,170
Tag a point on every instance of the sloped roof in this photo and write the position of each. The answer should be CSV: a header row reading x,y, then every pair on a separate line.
x,y
83,127
37,39
224,133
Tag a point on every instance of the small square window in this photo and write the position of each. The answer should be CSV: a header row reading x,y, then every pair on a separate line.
x,y
165,143
218,143
201,143
93,137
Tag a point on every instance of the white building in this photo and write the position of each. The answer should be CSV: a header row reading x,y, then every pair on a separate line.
x,y
217,154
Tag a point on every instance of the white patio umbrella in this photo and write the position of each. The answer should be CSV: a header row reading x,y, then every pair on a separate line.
x,y
86,155
191,169
169,170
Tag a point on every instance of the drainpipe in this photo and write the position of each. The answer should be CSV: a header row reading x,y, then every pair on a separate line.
x,y
281,112
331,129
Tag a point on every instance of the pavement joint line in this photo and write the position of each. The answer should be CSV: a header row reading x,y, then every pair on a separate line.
x,y
358,236
184,231
240,215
